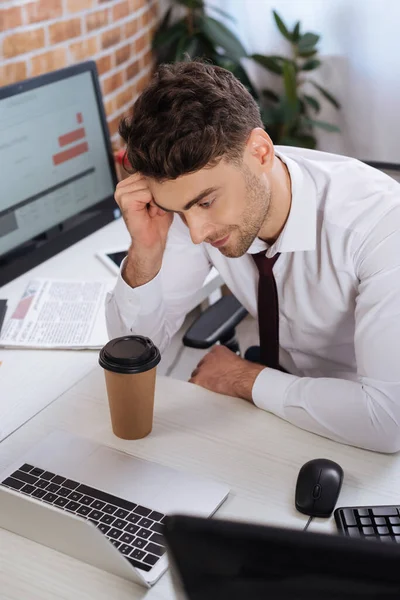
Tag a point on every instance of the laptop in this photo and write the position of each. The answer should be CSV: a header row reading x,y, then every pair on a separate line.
x,y
222,560
99,505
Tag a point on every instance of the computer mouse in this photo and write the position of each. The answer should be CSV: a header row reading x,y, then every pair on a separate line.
x,y
318,486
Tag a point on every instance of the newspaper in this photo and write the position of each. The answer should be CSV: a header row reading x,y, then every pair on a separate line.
x,y
65,314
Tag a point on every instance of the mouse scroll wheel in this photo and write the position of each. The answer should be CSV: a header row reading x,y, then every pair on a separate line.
x,y
316,491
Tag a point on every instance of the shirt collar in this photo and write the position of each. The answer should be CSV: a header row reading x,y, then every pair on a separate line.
x,y
299,232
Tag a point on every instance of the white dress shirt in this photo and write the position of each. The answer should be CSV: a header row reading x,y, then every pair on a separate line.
x,y
338,282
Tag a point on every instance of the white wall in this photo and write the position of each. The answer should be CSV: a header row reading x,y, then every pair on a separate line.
x,y
360,49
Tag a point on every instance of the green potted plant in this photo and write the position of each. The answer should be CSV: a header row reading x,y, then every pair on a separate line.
x,y
187,32
291,116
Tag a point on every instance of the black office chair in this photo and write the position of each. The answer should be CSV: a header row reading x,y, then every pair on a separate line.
x,y
218,322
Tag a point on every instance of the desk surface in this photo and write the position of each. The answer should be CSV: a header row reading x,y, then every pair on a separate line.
x,y
30,379
257,454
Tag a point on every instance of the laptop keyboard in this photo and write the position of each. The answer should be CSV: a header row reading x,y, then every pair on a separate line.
x,y
134,529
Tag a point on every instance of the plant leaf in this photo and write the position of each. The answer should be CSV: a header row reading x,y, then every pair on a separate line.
x,y
307,42
168,36
222,12
308,53
270,94
221,36
191,3
269,62
302,141
289,80
296,32
322,125
310,65
282,27
313,102
326,94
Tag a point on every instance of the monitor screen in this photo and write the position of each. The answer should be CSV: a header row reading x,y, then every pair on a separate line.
x,y
54,156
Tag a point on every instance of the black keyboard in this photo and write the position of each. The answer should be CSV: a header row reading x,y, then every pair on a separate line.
x,y
370,522
135,530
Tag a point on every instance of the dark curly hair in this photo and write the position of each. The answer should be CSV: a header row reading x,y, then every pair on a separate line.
x,y
190,116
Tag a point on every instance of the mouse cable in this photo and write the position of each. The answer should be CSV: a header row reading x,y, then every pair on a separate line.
x,y
307,524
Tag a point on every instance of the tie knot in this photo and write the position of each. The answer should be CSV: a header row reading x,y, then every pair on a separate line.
x,y
264,264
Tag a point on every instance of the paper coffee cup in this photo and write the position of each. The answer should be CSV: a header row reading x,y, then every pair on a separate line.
x,y
129,365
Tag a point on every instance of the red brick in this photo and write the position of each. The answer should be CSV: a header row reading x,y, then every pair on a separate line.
x,y
113,125
97,19
123,54
79,5
104,64
109,107
43,10
140,43
120,10
148,58
111,37
112,83
125,97
64,30
84,49
146,17
132,70
142,83
20,43
10,18
49,61
131,27
12,73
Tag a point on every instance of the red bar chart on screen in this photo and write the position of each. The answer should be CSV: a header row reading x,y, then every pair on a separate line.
x,y
70,153
71,136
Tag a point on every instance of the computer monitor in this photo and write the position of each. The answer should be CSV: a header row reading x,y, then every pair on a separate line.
x,y
57,173
214,559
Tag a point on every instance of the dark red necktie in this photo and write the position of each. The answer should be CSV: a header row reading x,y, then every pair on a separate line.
x,y
268,310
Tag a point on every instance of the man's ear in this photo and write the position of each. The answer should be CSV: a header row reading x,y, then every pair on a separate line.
x,y
259,150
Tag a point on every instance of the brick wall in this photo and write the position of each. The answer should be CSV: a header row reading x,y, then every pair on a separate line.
x,y
37,36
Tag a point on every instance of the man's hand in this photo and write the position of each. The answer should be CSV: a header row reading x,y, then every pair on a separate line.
x,y
222,371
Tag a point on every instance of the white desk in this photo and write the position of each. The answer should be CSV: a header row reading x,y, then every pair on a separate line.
x,y
254,452
30,379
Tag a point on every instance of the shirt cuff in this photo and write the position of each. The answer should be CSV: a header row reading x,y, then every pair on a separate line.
x,y
270,389
146,298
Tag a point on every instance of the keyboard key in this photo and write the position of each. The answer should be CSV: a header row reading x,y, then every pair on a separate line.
x,y
386,538
158,527
121,513
379,521
58,479
38,493
47,475
368,531
103,527
49,498
86,500
132,518
15,484
114,533
65,492
72,506
396,530
349,517
98,504
120,523
138,554
109,498
156,516
158,551
352,532
144,533
126,538
150,559
156,538
125,549
367,521
142,511
75,497
53,488
138,565
37,472
60,501
116,543
69,483
363,512
83,510
26,467
146,523
22,476
385,511
139,542
109,509
108,519
131,528
42,484
394,520
28,489
96,514
383,531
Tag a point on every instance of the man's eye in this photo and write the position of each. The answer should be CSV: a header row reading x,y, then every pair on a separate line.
x,y
207,204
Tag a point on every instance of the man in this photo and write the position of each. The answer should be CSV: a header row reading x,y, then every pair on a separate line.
x,y
210,189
